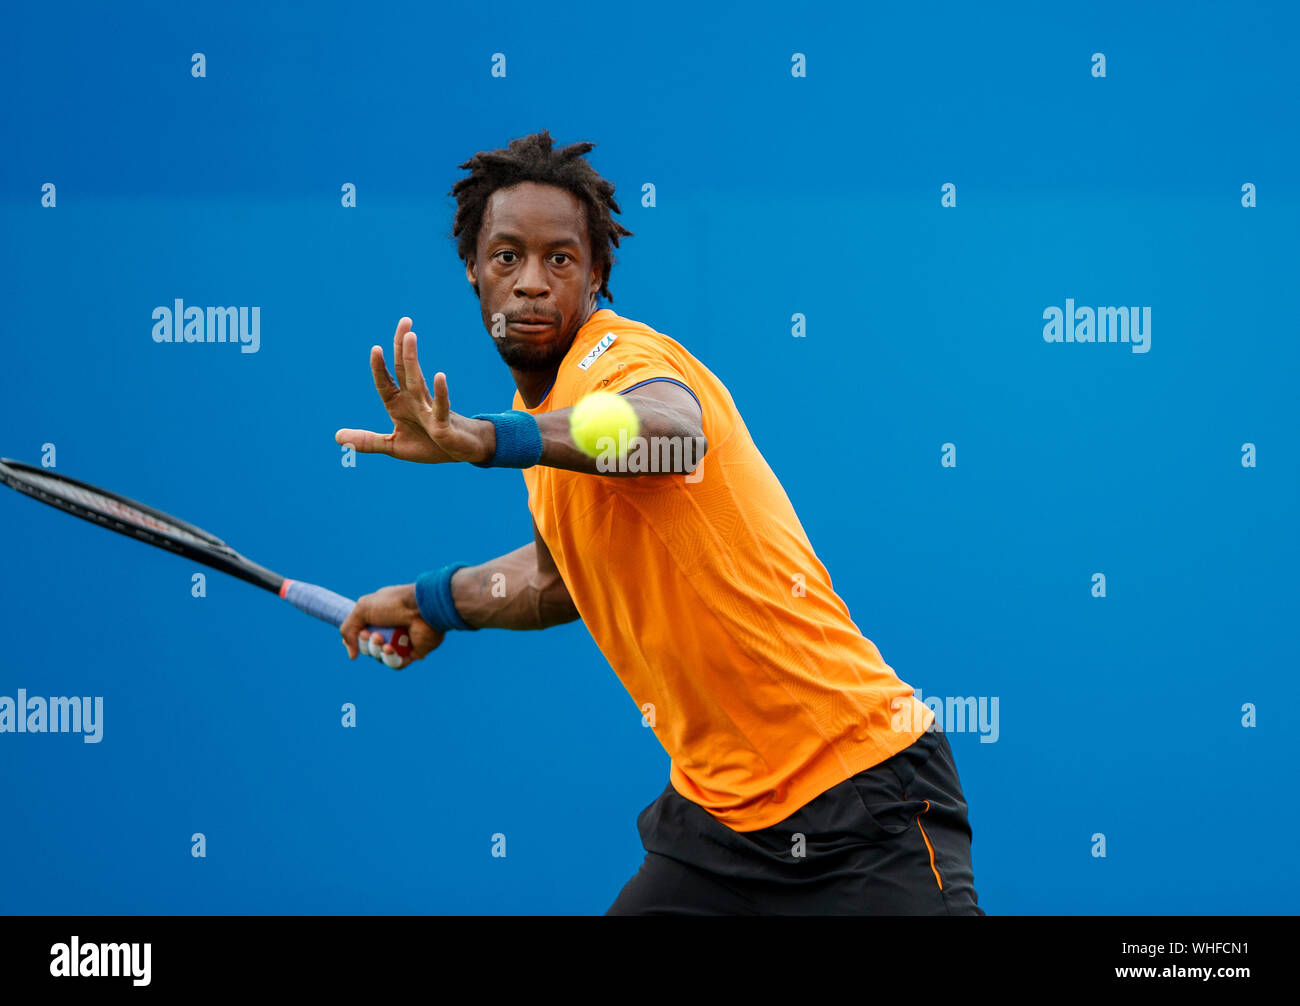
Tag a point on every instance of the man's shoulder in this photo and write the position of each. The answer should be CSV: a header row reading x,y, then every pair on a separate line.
x,y
606,321
607,329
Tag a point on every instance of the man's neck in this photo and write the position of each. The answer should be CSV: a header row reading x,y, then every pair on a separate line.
x,y
533,384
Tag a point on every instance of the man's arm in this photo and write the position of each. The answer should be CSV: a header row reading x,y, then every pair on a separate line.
x,y
426,430
521,590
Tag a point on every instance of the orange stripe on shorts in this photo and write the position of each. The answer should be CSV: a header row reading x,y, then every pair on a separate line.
x,y
938,879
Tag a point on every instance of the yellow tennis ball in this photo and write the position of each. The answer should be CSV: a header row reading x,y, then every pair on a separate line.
x,y
603,414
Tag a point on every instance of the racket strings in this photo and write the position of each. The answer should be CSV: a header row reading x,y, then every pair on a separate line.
x,y
97,503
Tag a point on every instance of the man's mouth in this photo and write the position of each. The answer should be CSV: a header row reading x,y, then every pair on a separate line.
x,y
531,325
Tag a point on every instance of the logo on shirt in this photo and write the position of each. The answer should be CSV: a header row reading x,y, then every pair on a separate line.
x,y
600,347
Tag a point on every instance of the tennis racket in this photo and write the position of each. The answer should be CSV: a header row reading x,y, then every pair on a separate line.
x,y
153,527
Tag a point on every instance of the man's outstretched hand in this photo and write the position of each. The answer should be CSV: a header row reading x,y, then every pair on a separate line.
x,y
424,427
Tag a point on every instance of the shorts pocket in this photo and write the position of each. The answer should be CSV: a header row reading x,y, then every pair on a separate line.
x,y
888,812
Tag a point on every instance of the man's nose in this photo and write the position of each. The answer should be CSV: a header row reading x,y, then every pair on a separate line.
x,y
533,281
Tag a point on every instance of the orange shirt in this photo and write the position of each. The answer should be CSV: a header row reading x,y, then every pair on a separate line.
x,y
707,599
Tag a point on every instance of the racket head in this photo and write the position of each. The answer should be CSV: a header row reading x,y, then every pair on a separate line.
x,y
134,519
154,527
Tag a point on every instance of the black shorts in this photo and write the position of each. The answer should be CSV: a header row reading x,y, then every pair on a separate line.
x,y
892,840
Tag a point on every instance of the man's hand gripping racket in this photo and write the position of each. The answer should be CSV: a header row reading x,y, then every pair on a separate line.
x,y
389,606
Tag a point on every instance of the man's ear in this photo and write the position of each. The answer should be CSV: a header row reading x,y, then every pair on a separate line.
x,y
471,275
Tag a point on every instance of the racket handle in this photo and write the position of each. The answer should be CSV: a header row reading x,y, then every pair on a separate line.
x,y
334,608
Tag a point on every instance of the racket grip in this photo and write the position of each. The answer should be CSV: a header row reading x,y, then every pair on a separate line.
x,y
335,608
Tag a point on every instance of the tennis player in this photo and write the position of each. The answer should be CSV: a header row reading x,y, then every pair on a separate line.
x,y
806,778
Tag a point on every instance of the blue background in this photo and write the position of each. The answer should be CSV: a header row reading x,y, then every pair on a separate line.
x,y
775,195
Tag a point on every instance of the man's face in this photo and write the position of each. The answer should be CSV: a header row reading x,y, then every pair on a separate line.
x,y
534,267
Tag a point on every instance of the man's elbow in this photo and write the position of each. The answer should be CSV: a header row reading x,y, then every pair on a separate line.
x,y
671,442
692,459
689,445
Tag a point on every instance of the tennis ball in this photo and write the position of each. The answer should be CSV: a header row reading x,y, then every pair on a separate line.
x,y
602,414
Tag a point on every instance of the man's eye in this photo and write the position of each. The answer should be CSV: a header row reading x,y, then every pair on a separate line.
x,y
561,255
501,254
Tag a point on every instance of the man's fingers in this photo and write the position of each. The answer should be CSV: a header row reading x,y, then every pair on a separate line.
x,y
395,660
352,625
411,363
384,383
403,327
360,641
441,400
365,441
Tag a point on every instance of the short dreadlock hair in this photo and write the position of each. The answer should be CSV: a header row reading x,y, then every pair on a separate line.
x,y
533,159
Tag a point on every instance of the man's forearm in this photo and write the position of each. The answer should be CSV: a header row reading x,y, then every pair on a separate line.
x,y
511,593
673,434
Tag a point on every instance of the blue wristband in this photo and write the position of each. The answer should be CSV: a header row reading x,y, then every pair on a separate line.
x,y
433,598
519,440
